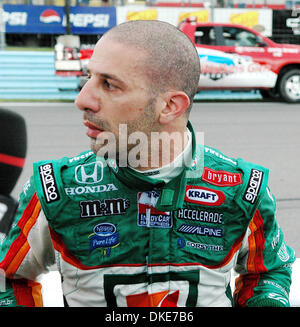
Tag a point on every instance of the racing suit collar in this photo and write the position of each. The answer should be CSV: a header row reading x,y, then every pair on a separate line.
x,y
171,195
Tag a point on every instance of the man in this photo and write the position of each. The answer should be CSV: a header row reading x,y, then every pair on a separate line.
x,y
136,222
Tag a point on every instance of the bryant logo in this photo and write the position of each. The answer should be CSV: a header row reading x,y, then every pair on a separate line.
x,y
221,178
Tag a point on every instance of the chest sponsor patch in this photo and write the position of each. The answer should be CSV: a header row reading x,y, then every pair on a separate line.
x,y
148,215
202,195
221,177
253,186
200,230
105,236
48,183
200,215
106,207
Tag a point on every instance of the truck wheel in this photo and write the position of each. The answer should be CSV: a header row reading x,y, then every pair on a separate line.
x,y
289,86
269,94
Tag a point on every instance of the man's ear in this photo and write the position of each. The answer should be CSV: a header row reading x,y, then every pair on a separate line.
x,y
174,105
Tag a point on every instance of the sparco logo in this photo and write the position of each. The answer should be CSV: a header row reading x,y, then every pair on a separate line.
x,y
106,207
49,183
91,173
253,186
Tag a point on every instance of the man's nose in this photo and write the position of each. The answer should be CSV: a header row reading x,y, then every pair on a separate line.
x,y
86,98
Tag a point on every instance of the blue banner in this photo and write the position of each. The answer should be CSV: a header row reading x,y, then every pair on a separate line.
x,y
52,19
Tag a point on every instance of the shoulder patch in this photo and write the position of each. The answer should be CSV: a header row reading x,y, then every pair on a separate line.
x,y
80,157
254,185
221,178
217,154
49,184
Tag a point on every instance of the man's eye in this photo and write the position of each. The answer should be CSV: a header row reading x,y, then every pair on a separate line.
x,y
107,85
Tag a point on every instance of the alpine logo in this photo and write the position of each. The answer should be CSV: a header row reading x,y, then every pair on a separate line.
x,y
221,178
201,230
49,183
203,195
253,186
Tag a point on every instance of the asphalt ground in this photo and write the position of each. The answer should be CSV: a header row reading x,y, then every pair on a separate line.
x,y
267,133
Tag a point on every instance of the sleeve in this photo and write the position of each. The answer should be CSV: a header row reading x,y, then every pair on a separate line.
x,y
264,261
25,253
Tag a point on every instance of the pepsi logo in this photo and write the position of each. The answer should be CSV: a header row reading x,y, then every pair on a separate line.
x,y
50,16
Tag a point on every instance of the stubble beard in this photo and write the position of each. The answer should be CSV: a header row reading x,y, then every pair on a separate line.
x,y
115,144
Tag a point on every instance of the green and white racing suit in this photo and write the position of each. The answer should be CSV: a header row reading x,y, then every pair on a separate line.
x,y
119,238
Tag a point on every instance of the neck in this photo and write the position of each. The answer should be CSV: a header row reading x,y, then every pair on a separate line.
x,y
163,148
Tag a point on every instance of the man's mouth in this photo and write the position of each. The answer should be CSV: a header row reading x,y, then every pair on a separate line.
x,y
92,130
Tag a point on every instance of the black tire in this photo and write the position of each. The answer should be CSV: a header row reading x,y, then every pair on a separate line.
x,y
269,94
289,86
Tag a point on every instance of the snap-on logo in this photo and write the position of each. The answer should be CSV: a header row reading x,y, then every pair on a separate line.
x,y
203,195
221,177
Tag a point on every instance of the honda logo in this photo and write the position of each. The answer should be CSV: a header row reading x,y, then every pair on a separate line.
x,y
90,173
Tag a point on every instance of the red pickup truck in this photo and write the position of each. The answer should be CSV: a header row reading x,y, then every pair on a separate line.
x,y
270,67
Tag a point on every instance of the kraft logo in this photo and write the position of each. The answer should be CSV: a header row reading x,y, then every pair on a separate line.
x,y
204,196
50,16
91,173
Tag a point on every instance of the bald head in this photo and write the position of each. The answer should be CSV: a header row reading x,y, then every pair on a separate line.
x,y
171,60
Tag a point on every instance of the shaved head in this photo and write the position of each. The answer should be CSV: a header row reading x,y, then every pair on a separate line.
x,y
171,60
